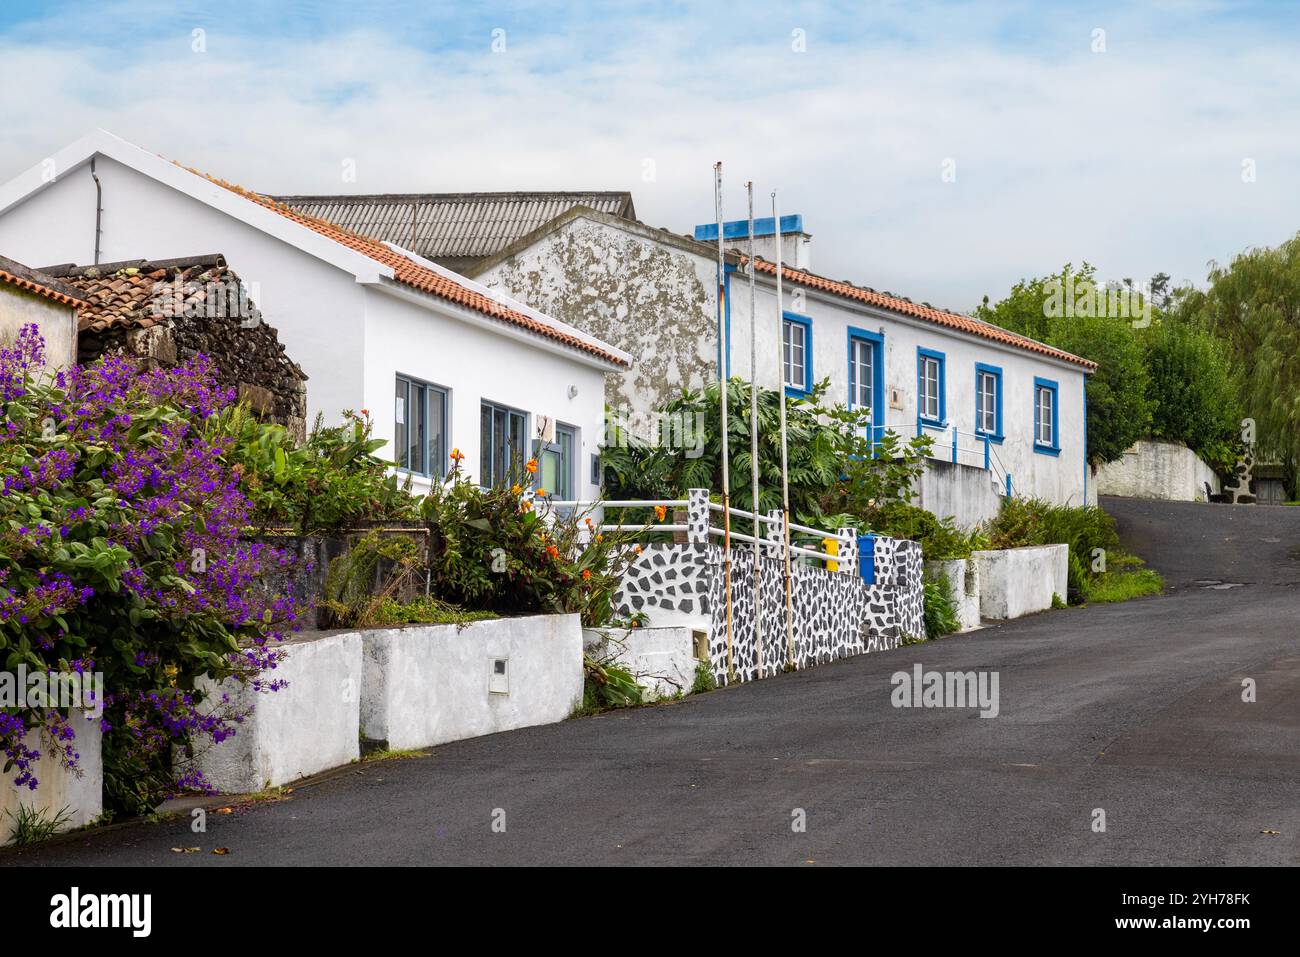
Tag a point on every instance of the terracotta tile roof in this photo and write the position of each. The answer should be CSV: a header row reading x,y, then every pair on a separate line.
x,y
953,320
410,273
36,282
137,294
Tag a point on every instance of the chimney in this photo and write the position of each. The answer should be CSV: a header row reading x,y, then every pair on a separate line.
x,y
796,245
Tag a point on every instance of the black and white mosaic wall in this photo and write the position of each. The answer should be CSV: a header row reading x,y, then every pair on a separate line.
x,y
835,614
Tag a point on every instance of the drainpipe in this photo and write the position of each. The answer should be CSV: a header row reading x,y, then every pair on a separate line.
x,y
99,207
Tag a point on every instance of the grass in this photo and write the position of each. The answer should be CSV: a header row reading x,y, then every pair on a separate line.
x,y
33,825
394,754
1122,585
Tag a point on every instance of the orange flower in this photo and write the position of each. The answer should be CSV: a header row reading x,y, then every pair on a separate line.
x,y
586,574
661,512
457,455
588,521
531,467
637,549
516,489
541,493
525,506
552,551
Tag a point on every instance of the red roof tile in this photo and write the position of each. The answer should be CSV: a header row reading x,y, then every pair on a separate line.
x,y
952,320
410,273
38,288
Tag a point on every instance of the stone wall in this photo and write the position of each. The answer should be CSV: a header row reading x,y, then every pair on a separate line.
x,y
1158,470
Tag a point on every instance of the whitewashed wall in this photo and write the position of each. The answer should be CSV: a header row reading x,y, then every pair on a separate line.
x,y
1059,478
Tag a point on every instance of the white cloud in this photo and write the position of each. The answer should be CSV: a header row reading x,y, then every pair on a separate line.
x,y
1131,158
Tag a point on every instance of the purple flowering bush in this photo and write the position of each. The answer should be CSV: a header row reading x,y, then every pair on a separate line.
x,y
121,552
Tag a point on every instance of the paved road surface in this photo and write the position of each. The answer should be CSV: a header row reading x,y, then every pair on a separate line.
x,y
1133,708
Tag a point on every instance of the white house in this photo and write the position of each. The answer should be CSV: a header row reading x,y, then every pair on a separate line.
x,y
441,362
1015,407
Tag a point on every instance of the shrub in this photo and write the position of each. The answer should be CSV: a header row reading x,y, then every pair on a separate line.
x,y
607,685
505,550
940,615
833,468
332,481
940,538
1195,395
121,553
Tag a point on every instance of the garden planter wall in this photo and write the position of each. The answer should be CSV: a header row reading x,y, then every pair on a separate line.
x,y
308,726
661,659
81,791
429,684
836,614
1020,581
963,578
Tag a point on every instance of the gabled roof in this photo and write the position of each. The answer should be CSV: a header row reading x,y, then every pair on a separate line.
x,y
455,229
906,307
38,283
369,259
138,293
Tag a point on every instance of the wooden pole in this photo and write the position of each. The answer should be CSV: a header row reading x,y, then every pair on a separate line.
x,y
724,351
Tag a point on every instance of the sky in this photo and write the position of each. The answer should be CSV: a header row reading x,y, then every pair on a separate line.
x,y
940,151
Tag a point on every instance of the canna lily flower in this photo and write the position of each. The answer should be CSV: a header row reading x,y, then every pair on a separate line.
x,y
661,512
457,455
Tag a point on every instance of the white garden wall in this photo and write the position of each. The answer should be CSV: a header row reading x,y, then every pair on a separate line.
x,y
1020,581
661,659
963,578
430,684
1160,470
81,792
304,728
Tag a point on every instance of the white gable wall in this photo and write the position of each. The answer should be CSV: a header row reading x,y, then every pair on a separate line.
x,y
316,308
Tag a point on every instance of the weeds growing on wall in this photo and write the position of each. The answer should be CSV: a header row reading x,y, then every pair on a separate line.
x,y
940,613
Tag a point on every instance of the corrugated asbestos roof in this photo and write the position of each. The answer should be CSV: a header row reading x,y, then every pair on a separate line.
x,y
454,229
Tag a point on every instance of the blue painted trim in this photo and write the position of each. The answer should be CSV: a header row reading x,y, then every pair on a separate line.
x,y
877,341
739,228
942,421
1055,447
808,380
867,558
996,436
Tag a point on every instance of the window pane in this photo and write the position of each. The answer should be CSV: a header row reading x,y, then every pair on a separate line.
x,y
415,414
486,445
436,427
399,428
564,483
549,470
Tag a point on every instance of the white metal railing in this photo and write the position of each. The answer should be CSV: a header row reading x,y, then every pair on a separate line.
x,y
844,542
981,452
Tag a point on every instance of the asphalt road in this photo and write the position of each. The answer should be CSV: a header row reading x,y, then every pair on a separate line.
x,y
1134,709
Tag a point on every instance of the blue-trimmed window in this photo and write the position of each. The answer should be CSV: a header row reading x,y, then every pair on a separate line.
x,y
796,354
503,436
931,402
867,375
420,427
1047,436
988,401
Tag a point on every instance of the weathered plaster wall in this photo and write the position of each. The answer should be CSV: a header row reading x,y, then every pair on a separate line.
x,y
81,791
1021,581
661,659
58,323
654,300
1163,470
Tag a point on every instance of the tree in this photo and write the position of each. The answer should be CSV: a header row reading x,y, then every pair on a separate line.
x,y
1253,307
1119,407
1194,392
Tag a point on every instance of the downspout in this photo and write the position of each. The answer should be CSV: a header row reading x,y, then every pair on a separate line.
x,y
99,207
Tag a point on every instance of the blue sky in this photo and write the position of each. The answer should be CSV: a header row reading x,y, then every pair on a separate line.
x,y
1130,157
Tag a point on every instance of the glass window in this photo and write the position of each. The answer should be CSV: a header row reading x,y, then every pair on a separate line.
x,y
503,443
795,348
420,426
986,401
861,361
1044,426
930,382
556,464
